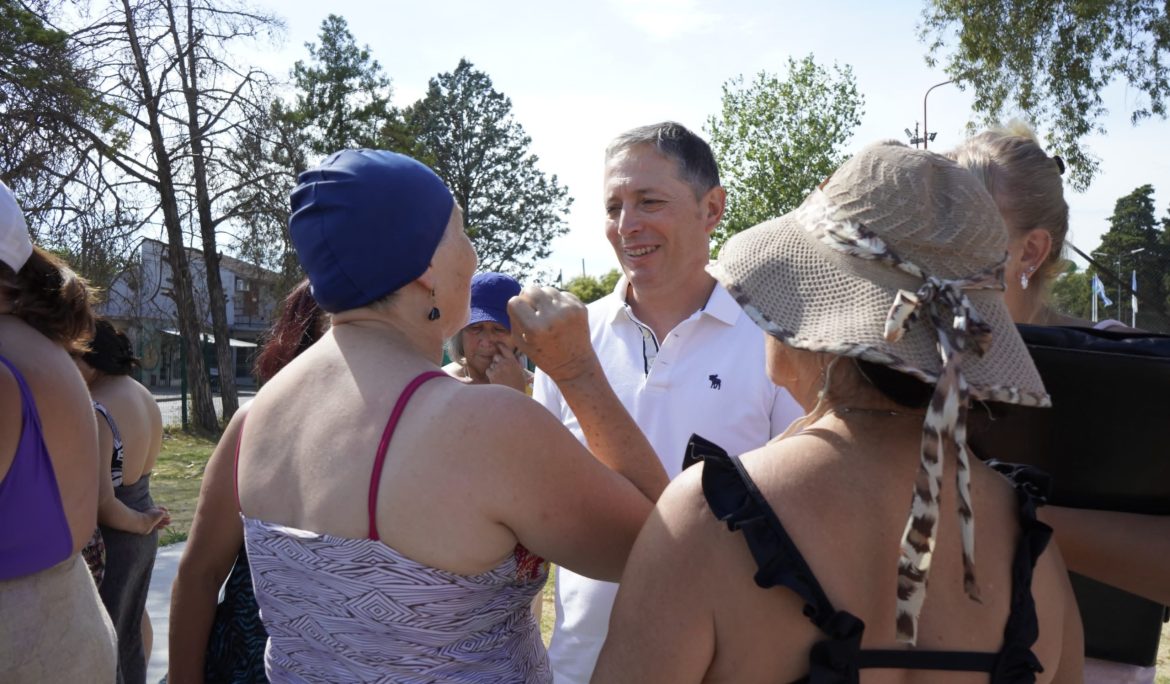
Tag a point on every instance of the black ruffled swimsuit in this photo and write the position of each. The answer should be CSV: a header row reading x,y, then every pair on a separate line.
x,y
734,498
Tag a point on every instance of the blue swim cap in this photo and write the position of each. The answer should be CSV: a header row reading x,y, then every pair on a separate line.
x,y
490,293
365,223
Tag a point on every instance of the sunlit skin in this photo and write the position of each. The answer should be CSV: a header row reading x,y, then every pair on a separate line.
x,y
660,232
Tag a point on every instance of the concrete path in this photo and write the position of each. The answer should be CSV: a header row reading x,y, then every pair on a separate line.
x,y
158,604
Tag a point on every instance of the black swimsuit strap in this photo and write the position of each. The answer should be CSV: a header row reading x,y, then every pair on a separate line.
x,y
950,661
735,499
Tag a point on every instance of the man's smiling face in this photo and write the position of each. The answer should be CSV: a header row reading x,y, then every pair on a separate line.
x,y
659,229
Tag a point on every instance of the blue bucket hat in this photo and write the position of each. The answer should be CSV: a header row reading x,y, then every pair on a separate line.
x,y
365,223
490,293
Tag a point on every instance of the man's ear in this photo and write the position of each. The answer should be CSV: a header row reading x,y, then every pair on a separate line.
x,y
714,203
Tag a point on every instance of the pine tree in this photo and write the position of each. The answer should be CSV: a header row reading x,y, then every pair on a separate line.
x,y
466,130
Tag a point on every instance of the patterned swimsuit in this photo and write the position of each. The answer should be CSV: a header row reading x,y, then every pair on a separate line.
x,y
356,610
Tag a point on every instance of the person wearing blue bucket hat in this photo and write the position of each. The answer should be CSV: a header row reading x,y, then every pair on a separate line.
x,y
391,522
483,351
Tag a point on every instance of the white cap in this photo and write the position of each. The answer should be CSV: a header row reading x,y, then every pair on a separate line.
x,y
15,244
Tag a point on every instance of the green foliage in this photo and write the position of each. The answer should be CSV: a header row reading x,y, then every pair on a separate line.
x,y
42,90
512,210
1133,227
341,101
590,289
610,280
343,96
586,288
1053,61
779,137
1070,293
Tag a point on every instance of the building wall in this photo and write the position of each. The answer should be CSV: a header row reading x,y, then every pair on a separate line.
x,y
139,302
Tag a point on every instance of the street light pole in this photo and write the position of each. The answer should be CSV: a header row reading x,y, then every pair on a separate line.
x,y
926,129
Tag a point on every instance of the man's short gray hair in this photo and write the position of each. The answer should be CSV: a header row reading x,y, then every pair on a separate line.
x,y
696,163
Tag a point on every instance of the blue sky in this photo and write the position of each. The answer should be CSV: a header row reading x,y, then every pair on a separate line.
x,y
579,73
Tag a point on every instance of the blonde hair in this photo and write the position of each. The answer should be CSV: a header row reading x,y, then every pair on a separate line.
x,y
1025,183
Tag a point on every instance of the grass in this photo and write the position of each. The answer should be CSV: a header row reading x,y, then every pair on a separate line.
x,y
175,484
548,613
175,480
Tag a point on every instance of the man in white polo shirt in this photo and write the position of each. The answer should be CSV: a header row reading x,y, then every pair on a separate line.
x,y
679,352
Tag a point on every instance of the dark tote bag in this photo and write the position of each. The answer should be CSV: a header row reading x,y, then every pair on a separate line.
x,y
1106,443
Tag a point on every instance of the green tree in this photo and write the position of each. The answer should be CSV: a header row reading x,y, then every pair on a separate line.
x,y
341,101
1051,60
586,288
178,100
609,280
589,289
512,210
1133,227
1071,292
343,96
64,191
778,137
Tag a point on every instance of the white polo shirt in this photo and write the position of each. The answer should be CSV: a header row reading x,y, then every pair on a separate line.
x,y
706,377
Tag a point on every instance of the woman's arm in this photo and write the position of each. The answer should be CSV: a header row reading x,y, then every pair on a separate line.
x,y
552,328
558,499
112,512
1127,550
662,629
212,547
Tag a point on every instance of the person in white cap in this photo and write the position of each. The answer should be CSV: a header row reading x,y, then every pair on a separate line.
x,y
52,624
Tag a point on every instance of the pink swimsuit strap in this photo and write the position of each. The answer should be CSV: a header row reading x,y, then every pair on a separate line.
x,y
391,425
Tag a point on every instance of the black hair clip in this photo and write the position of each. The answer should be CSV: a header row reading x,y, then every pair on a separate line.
x,y
1059,163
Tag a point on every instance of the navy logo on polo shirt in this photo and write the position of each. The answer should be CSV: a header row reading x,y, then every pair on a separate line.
x,y
716,383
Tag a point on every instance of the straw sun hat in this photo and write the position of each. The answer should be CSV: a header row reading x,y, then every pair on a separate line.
x,y
897,259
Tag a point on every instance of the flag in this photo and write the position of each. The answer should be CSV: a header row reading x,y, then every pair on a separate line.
x,y
1133,294
1099,291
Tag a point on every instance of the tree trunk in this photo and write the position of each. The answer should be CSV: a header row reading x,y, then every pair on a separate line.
x,y
182,291
217,304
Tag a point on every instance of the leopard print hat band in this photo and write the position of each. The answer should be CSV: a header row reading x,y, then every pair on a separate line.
x,y
828,277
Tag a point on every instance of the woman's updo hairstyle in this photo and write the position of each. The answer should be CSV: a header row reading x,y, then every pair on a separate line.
x,y
1025,183
110,351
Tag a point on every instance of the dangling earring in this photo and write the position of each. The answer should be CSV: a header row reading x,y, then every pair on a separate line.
x,y
434,312
1024,277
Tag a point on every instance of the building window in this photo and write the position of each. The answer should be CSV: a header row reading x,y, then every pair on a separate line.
x,y
242,285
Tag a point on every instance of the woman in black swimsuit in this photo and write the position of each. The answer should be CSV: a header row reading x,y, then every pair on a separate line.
x,y
867,543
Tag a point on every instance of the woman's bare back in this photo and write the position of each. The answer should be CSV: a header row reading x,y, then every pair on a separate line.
x,y
819,481
139,422
67,421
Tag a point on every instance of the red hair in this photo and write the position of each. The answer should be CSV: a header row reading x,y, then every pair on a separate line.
x,y
301,323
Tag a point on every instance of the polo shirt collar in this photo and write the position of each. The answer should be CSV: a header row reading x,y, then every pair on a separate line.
x,y
720,305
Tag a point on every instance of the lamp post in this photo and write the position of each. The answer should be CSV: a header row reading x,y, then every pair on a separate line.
x,y
926,134
915,138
